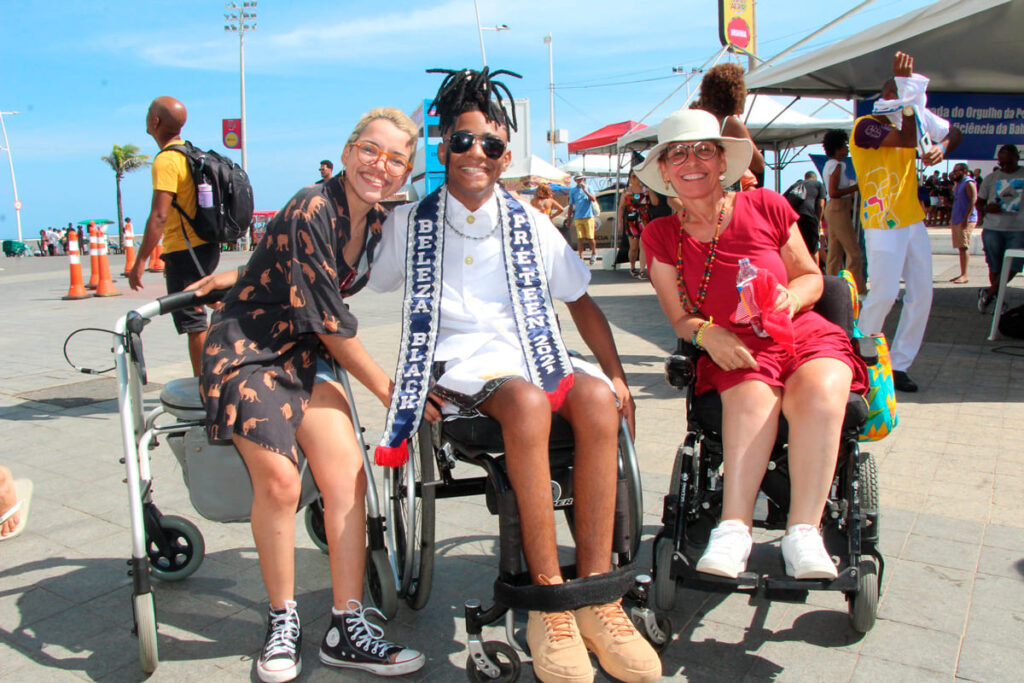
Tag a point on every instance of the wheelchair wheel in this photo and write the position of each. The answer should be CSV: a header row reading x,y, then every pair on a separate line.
x,y
868,476
315,526
658,634
664,584
183,552
412,516
634,489
380,582
864,602
145,631
503,655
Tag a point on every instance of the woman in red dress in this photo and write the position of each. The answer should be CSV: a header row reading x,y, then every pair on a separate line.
x,y
693,260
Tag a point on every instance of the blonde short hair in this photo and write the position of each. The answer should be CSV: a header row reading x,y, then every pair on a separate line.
x,y
395,116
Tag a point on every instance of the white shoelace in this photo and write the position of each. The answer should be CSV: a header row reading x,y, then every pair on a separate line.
x,y
369,637
284,631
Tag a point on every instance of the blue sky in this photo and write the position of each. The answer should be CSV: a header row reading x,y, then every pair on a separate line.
x,y
82,74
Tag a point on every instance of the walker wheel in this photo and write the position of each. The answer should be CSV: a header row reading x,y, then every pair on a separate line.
x,y
145,630
181,553
501,654
864,602
380,580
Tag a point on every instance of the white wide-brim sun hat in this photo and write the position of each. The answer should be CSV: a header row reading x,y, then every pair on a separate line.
x,y
693,125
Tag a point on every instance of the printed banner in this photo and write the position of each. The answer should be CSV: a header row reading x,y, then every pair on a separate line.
x,y
987,121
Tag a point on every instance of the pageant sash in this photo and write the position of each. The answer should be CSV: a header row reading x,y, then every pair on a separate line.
x,y
548,362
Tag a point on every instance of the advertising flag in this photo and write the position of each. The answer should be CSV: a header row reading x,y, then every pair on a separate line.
x,y
736,25
232,133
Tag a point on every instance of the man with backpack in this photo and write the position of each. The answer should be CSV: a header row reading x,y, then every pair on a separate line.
x,y
187,256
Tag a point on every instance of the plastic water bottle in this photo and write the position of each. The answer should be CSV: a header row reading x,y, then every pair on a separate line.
x,y
205,196
745,281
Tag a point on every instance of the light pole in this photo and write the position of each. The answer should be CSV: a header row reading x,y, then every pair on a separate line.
x,y
480,32
241,18
551,97
10,162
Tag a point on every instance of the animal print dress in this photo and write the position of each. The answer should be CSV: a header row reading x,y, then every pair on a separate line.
x,y
259,361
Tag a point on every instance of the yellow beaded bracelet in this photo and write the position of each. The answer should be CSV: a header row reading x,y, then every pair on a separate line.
x,y
698,334
799,304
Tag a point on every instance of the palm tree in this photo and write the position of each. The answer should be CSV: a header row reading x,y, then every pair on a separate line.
x,y
124,159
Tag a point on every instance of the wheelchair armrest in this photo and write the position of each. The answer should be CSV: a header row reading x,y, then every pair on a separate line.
x,y
867,350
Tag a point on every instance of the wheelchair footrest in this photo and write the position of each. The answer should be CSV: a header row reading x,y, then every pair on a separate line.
x,y
519,593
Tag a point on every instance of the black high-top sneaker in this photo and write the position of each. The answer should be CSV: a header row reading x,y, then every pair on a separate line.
x,y
355,642
279,661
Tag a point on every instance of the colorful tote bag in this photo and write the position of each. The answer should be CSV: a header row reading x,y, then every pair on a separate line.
x,y
881,397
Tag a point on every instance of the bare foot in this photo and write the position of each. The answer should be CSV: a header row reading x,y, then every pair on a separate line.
x,y
8,497
960,280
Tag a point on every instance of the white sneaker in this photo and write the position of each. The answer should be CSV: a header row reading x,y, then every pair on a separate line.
x,y
727,551
805,555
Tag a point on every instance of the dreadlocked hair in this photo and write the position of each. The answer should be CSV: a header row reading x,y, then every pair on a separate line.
x,y
468,90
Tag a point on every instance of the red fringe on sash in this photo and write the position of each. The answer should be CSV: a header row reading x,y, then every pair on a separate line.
x,y
388,456
557,397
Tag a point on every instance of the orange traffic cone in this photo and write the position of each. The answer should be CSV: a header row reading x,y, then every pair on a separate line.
x,y
156,264
105,287
94,258
129,248
77,289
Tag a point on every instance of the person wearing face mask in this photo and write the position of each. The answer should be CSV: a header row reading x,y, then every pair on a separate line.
x,y
269,386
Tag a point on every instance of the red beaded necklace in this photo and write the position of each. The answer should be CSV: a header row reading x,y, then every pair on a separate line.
x,y
702,290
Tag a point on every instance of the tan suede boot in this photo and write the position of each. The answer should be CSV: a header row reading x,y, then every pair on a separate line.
x,y
620,648
559,655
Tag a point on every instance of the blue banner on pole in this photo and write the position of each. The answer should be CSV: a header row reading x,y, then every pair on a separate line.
x,y
987,121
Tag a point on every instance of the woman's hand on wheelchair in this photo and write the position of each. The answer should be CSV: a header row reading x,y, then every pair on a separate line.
x,y
726,349
432,411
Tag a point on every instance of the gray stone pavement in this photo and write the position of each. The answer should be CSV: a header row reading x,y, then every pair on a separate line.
x,y
952,529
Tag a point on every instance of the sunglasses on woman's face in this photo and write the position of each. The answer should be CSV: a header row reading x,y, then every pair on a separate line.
x,y
678,153
461,141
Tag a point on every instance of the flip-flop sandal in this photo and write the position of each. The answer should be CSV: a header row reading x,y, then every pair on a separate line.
x,y
23,488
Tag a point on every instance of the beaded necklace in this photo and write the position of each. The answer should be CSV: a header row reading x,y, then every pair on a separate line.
x,y
702,290
475,238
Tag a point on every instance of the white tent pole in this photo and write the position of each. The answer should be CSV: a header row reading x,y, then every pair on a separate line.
x,y
811,37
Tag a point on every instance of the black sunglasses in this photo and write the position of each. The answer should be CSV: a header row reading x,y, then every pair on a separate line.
x,y
461,141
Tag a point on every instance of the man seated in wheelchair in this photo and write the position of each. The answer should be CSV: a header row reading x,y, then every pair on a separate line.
x,y
480,272
783,358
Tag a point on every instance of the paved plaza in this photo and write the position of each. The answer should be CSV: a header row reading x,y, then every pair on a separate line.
x,y
952,513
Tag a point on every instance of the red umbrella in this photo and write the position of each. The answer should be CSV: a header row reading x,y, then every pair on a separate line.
x,y
603,136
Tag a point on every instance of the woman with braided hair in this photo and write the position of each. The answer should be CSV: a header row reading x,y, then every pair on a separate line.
x,y
484,267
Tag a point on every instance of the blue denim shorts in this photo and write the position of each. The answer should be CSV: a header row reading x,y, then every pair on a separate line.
x,y
996,242
324,372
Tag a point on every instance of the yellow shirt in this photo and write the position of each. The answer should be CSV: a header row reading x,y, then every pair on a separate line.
x,y
171,174
887,178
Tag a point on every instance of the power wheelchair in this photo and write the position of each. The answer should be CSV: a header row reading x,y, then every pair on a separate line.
x,y
412,492
693,504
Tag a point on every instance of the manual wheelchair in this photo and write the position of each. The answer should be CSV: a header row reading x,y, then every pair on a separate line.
x,y
693,504
413,490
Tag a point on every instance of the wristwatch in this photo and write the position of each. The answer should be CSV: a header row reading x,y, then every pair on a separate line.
x,y
908,110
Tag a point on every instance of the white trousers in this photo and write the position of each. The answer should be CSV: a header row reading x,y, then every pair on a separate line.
x,y
891,254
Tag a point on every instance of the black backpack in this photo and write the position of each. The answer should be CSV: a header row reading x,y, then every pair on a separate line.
x,y
228,219
796,194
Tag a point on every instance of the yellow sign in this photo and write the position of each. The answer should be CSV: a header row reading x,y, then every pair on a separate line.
x,y
231,140
736,25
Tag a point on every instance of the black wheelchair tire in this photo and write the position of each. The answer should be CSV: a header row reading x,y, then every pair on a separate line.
x,y
506,658
868,476
864,602
664,584
188,549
